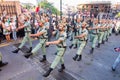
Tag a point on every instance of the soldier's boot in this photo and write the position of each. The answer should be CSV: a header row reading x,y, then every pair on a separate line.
x,y
71,39
3,64
75,46
29,51
71,46
75,57
98,46
48,72
16,51
113,69
62,68
92,50
103,42
0,69
43,59
79,57
28,55
107,39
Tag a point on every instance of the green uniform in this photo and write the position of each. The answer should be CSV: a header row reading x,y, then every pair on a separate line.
x,y
100,35
78,31
105,33
42,40
26,38
94,35
61,47
82,41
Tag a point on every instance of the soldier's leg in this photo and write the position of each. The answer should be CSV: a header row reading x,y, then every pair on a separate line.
x,y
95,38
25,39
1,62
62,65
55,62
30,42
105,36
21,45
78,56
34,51
117,61
100,37
44,53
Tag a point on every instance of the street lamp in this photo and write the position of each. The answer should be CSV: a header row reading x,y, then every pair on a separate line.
x,y
61,9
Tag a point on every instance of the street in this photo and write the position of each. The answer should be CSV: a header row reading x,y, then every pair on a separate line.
x,y
96,66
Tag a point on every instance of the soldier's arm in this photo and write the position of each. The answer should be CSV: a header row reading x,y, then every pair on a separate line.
x,y
53,42
37,34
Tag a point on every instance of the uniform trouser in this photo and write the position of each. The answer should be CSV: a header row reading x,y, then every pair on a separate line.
x,y
100,37
75,41
0,56
117,61
105,36
81,47
58,58
41,45
90,36
71,34
94,39
25,39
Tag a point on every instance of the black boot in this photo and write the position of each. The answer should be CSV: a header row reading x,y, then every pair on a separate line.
x,y
103,42
91,51
75,46
71,39
62,68
113,69
16,51
107,39
79,57
71,46
3,64
43,59
48,72
27,55
0,69
98,46
29,50
75,57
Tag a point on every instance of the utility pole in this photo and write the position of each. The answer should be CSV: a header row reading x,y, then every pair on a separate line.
x,y
61,9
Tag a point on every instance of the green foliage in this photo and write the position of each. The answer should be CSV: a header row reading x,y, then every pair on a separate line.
x,y
45,5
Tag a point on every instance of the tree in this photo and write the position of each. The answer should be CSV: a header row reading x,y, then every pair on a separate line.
x,y
46,5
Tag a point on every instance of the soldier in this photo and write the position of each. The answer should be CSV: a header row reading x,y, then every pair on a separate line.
x,y
27,29
117,61
42,36
101,33
105,31
61,47
94,34
82,40
2,63
78,31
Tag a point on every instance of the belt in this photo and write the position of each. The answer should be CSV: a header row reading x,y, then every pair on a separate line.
x,y
95,33
61,46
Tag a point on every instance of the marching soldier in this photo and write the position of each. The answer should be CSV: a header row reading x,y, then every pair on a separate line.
x,y
61,47
2,63
101,33
82,40
94,34
42,35
27,29
78,30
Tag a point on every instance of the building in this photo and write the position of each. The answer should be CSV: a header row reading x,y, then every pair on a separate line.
x,y
11,7
95,6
